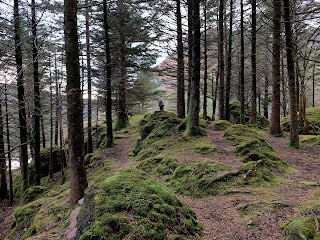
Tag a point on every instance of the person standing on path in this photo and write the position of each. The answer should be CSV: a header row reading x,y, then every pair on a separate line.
x,y
161,105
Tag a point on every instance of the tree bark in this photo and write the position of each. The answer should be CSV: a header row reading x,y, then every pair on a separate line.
x,y
36,92
221,62
89,132
56,122
254,61
275,128
3,169
108,76
78,179
122,120
229,63
205,74
180,63
190,29
294,125
242,100
21,98
192,125
11,197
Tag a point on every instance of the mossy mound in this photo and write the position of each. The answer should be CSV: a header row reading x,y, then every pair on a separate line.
x,y
301,228
221,125
235,110
155,126
134,206
254,148
32,193
313,117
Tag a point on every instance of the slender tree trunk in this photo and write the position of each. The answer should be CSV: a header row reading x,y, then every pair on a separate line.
x,y
313,85
254,61
36,89
122,120
190,27
43,134
21,98
275,128
89,142
3,169
229,63
108,76
242,100
51,124
215,95
180,62
221,62
205,55
284,91
294,126
61,135
266,96
56,122
192,127
78,179
11,196
97,125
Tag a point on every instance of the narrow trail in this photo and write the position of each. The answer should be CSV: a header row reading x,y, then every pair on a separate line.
x,y
221,216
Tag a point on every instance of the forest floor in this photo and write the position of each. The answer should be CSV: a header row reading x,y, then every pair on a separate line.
x,y
225,216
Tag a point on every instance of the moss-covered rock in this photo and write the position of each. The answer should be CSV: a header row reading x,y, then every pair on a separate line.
x,y
221,125
303,228
134,206
235,109
313,117
32,193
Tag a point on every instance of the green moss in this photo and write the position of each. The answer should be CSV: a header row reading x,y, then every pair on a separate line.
x,y
204,148
309,184
221,125
303,228
32,193
92,158
313,117
134,206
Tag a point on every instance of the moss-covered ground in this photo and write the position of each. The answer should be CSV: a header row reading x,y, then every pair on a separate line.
x,y
136,193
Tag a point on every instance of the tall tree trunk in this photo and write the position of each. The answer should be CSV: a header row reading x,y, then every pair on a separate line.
x,y
205,55
97,125
51,124
89,142
122,120
190,27
294,126
215,95
3,169
229,63
56,122
108,76
242,100
275,128
192,125
313,84
254,61
62,152
284,91
36,94
11,197
221,61
180,62
21,98
78,179
43,134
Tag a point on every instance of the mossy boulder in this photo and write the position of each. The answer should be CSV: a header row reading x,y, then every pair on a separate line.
x,y
302,228
235,110
58,158
221,125
32,193
313,117
132,205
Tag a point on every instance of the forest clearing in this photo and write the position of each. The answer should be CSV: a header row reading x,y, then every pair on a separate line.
x,y
159,120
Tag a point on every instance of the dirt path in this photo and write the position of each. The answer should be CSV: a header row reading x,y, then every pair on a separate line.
x,y
221,215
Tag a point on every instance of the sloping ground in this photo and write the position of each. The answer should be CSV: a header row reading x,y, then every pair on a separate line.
x,y
211,174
